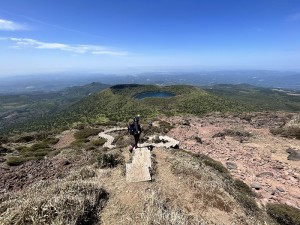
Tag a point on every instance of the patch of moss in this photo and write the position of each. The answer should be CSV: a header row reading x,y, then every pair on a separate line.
x,y
284,214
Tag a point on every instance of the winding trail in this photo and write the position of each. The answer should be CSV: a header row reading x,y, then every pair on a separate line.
x,y
139,169
110,138
166,141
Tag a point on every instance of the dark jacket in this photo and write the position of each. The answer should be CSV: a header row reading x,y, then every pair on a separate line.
x,y
134,128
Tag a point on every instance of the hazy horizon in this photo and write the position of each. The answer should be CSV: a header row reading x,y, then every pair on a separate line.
x,y
141,72
137,36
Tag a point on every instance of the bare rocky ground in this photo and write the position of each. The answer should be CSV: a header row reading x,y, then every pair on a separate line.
x,y
260,160
65,139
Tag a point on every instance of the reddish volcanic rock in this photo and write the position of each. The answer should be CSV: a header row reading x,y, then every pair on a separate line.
x,y
262,159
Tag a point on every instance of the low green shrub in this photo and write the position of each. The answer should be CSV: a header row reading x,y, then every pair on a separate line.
x,y
243,194
290,131
233,133
242,187
40,153
80,142
99,142
109,159
118,138
25,139
247,202
79,126
237,133
107,123
165,127
51,141
33,136
86,132
237,188
240,191
215,165
284,214
35,151
15,161
21,148
38,146
35,147
3,139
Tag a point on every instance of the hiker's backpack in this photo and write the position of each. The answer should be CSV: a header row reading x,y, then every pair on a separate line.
x,y
132,129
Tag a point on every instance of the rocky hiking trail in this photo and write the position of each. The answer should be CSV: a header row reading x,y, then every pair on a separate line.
x,y
260,160
140,167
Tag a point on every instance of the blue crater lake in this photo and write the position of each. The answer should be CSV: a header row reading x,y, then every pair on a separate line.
x,y
156,94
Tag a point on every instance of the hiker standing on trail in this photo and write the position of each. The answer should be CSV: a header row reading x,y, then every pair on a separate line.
x,y
135,129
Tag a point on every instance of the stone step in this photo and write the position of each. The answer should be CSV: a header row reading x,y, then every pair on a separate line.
x,y
139,169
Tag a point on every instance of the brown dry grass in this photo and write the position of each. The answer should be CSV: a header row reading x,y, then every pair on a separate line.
x,y
54,202
158,210
185,191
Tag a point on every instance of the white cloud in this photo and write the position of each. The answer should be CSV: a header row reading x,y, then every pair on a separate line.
x,y
109,53
10,25
294,17
78,49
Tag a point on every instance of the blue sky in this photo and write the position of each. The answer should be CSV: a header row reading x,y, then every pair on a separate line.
x,y
123,36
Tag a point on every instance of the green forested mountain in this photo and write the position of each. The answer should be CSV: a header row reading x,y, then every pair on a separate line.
x,y
118,104
17,109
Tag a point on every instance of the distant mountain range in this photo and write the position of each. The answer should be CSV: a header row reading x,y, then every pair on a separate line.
x,y
54,82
